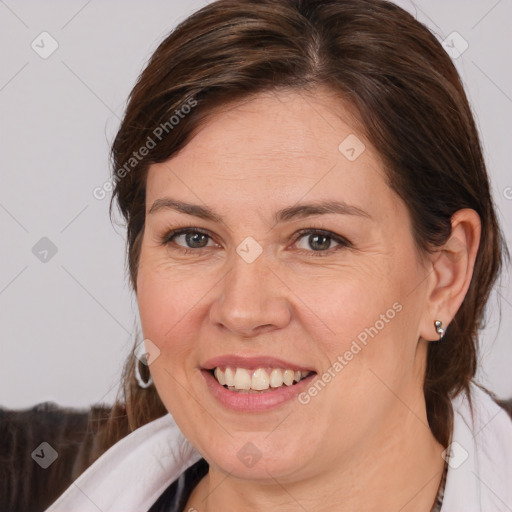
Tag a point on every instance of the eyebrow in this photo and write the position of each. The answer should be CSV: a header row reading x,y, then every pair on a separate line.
x,y
299,211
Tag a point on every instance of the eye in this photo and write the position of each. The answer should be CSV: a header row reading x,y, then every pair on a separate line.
x,y
321,241
187,239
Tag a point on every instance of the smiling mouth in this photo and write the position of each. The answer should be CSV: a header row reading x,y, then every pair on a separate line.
x,y
259,380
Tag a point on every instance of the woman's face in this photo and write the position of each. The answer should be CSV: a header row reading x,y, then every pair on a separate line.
x,y
270,284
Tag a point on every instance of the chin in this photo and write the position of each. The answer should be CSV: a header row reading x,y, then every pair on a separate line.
x,y
258,459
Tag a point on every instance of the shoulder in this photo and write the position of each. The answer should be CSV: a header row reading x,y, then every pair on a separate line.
x,y
489,408
480,452
506,405
482,406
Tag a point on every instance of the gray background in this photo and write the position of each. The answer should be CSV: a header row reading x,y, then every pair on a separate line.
x,y
67,323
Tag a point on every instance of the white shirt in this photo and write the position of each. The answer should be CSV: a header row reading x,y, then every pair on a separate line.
x,y
132,474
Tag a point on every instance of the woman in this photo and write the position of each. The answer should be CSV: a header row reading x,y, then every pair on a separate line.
x,y
312,242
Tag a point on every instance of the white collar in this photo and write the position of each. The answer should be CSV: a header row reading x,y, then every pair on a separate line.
x,y
479,476
132,474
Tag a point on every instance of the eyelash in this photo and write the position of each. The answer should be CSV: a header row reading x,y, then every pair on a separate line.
x,y
167,239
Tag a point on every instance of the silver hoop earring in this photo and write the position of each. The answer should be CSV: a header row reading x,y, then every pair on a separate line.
x,y
439,329
144,384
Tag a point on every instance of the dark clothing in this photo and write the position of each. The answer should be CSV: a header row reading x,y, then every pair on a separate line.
x,y
176,495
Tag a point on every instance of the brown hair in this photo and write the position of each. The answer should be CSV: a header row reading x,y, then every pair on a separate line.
x,y
412,107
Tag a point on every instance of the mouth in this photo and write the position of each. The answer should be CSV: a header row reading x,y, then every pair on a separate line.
x,y
257,380
254,383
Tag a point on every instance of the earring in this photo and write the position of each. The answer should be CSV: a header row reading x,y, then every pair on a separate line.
x,y
144,384
439,329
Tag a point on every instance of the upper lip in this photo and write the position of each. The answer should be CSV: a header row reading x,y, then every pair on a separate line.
x,y
252,363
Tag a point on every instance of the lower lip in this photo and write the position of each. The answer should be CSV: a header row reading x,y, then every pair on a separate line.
x,y
261,401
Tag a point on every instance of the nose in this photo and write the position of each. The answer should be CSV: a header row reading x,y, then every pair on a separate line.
x,y
251,301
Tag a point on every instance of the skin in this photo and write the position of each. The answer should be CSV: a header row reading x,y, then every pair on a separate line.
x,y
363,442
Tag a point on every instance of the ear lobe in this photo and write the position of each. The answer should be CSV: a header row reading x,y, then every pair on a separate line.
x,y
453,265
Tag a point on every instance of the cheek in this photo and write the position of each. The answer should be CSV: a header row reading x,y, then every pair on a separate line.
x,y
166,305
344,303
366,317
167,314
163,293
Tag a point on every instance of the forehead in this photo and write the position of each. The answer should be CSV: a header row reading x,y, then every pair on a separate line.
x,y
281,126
276,146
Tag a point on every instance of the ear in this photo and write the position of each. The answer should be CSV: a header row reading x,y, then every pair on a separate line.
x,y
451,272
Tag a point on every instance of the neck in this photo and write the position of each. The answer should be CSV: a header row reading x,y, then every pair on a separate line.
x,y
399,469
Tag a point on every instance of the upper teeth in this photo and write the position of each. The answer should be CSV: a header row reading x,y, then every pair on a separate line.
x,y
261,378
